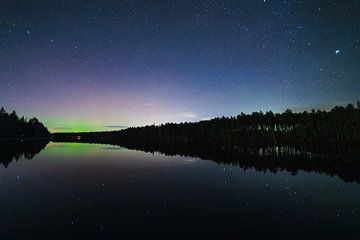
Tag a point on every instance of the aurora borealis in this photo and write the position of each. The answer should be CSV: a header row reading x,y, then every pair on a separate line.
x,y
104,65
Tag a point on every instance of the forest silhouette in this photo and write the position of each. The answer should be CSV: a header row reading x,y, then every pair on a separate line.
x,y
13,127
321,141
340,125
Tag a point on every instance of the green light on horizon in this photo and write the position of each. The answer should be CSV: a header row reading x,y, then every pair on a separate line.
x,y
72,126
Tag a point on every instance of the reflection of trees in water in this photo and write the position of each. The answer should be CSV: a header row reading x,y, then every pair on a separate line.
x,y
17,150
335,160
341,161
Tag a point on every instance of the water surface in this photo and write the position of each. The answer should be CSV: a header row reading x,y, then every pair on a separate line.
x,y
103,191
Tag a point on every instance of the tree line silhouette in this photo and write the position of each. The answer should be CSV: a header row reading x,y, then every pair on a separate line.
x,y
13,127
321,141
340,125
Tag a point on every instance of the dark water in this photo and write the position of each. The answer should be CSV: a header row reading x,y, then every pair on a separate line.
x,y
86,191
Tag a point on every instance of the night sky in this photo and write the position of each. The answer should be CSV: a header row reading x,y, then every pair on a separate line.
x,y
104,65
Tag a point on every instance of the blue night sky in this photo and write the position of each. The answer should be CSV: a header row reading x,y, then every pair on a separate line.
x,y
103,65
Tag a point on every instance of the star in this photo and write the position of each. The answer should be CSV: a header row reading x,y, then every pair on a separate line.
x,y
140,57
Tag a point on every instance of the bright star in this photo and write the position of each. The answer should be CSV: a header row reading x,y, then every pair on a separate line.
x,y
337,51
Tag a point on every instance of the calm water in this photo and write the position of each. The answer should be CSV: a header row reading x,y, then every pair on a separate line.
x,y
103,191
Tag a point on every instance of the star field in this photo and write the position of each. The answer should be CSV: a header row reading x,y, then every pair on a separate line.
x,y
98,65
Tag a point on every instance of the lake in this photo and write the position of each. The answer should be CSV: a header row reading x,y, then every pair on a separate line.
x,y
102,191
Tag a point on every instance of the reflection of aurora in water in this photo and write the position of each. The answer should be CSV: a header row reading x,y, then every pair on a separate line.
x,y
88,190
336,160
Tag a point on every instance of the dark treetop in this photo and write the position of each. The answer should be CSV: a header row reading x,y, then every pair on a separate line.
x,y
340,125
13,127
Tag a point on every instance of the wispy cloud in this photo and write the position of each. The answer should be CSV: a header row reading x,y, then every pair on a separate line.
x,y
116,126
205,118
189,115
149,104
